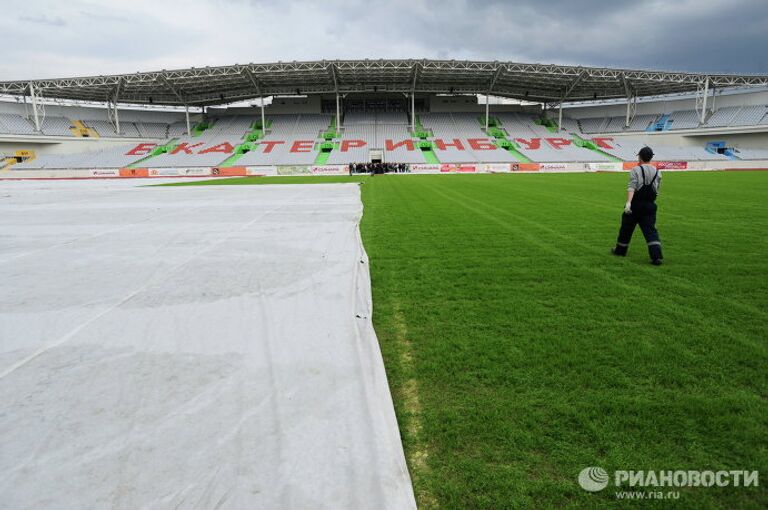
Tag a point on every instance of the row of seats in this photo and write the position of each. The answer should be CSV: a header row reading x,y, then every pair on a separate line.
x,y
732,116
626,147
296,152
296,140
729,116
50,125
112,157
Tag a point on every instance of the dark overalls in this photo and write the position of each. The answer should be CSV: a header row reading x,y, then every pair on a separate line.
x,y
643,214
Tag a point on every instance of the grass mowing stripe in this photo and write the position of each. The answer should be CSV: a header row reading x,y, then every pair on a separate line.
x,y
602,250
685,311
649,271
629,411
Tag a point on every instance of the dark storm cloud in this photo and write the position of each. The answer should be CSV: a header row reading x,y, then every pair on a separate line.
x,y
702,35
81,37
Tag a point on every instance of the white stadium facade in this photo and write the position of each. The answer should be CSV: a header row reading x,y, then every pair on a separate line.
x,y
430,116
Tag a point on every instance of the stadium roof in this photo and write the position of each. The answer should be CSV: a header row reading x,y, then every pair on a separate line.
x,y
545,83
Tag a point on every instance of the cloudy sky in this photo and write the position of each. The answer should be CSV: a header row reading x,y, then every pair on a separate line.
x,y
86,37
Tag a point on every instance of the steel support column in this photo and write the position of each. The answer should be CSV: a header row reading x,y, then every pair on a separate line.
x,y
186,114
487,110
631,110
338,113
703,114
413,112
263,119
33,96
117,119
631,102
113,115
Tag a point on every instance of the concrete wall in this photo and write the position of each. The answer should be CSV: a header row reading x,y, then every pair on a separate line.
x,y
739,141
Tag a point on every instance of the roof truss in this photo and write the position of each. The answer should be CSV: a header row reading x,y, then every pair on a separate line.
x,y
225,84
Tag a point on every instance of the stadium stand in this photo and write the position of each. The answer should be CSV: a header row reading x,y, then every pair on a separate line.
x,y
385,131
751,116
723,116
614,124
113,157
176,129
12,123
195,152
296,139
626,148
540,144
570,125
447,136
233,126
593,125
56,126
105,129
152,129
685,119
729,116
751,154
349,154
641,122
281,152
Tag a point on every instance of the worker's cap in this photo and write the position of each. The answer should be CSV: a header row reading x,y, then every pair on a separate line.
x,y
646,153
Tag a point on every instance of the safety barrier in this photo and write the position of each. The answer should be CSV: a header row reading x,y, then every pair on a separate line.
x,y
134,172
425,168
229,171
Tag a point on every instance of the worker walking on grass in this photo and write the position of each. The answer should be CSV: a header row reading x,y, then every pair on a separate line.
x,y
640,209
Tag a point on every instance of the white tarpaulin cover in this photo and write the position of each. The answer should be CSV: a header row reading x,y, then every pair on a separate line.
x,y
195,347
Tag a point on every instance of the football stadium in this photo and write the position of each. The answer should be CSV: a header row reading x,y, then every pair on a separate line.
x,y
382,283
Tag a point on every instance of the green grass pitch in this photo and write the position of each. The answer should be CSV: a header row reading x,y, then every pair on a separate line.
x,y
519,351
